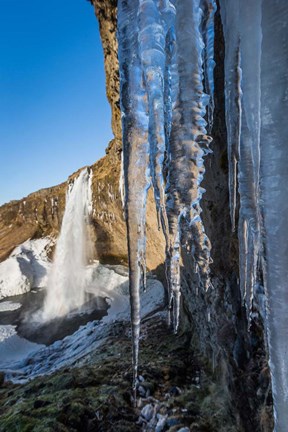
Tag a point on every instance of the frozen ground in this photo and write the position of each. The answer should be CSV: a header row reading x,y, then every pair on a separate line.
x,y
26,269
12,347
76,348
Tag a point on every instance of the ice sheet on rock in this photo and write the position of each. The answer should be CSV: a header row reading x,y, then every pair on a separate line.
x,y
274,191
25,268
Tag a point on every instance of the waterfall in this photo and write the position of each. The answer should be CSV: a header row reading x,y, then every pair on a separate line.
x,y
66,281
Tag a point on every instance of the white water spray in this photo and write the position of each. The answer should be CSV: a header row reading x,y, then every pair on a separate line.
x,y
67,278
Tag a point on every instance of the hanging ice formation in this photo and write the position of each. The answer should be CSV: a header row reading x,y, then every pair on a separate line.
x,y
66,281
256,65
163,64
166,73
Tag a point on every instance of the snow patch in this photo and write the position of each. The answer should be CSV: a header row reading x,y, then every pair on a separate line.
x,y
76,349
9,306
26,268
13,347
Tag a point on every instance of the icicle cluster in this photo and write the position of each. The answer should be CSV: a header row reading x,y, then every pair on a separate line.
x,y
166,51
256,75
164,63
242,28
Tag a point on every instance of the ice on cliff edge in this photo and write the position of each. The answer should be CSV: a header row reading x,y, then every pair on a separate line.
x,y
166,75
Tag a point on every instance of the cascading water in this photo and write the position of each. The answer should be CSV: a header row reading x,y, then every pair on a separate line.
x,y
67,278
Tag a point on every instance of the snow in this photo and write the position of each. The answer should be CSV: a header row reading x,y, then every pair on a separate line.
x,y
77,348
25,268
13,347
9,306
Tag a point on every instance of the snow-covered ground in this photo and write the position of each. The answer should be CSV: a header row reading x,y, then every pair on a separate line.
x,y
12,347
76,348
26,268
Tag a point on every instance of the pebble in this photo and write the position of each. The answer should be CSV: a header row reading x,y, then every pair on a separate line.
x,y
147,412
142,391
175,391
173,421
160,423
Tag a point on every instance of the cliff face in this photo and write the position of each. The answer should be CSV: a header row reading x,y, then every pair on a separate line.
x,y
106,13
40,214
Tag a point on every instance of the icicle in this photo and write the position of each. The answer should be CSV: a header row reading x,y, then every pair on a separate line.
x,y
249,152
230,19
122,182
243,127
175,279
135,159
209,8
188,140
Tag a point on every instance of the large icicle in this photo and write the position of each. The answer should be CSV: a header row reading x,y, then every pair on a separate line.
x,y
242,72
209,8
230,20
249,152
134,107
274,188
161,71
188,141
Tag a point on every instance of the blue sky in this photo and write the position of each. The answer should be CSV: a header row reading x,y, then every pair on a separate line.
x,y
54,116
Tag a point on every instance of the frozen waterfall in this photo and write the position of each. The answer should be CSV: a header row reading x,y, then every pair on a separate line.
x,y
166,51
66,281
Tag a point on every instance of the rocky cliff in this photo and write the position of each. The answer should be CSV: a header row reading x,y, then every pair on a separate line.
x,y
40,214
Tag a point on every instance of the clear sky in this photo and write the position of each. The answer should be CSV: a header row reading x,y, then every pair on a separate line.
x,y
54,116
